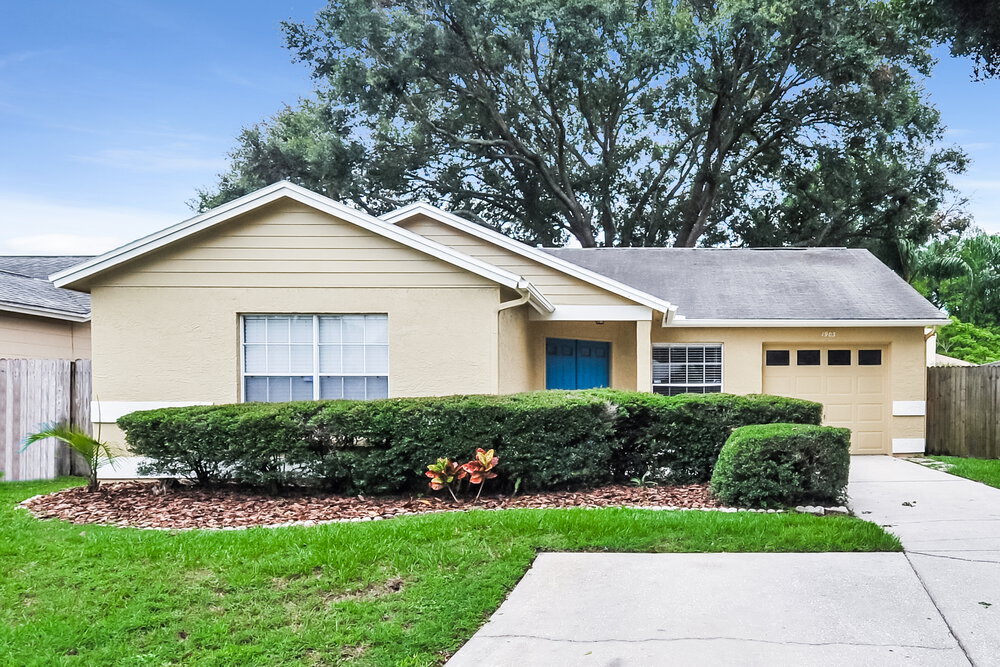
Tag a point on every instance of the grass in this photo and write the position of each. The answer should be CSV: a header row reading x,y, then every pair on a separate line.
x,y
986,471
408,591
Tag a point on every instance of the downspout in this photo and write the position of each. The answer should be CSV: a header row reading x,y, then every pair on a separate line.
x,y
513,303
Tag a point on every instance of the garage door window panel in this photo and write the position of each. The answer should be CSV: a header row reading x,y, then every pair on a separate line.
x,y
869,357
838,357
807,357
777,358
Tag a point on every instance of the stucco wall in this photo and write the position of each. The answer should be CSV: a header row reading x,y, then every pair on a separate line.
x,y
28,337
167,328
743,358
518,356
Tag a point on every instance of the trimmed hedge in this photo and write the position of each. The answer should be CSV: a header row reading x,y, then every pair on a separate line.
x,y
545,440
777,465
678,438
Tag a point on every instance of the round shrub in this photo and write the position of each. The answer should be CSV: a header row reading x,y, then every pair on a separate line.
x,y
777,465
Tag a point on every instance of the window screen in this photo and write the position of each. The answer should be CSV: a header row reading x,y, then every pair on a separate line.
x,y
687,369
305,357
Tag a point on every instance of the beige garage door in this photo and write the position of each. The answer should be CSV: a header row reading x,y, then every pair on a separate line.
x,y
850,382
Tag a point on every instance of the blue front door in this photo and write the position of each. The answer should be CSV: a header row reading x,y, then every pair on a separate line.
x,y
576,364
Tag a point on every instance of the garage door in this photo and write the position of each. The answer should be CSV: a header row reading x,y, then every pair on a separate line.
x,y
851,383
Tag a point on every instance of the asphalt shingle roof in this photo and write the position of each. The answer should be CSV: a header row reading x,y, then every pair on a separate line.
x,y
24,283
762,284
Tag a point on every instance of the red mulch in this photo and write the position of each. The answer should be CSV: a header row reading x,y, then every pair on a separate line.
x,y
145,505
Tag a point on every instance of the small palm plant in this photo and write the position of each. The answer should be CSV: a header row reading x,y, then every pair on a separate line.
x,y
95,452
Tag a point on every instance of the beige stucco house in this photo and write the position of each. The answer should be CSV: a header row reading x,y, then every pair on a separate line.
x,y
286,294
37,319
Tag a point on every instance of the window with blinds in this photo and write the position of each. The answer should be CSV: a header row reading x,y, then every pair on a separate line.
x,y
306,357
687,368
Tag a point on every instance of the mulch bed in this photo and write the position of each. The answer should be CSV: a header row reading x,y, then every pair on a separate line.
x,y
145,505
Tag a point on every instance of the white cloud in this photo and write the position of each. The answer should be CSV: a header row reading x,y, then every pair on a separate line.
x,y
20,56
32,225
977,184
61,244
154,160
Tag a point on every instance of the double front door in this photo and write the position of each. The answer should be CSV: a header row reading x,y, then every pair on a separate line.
x,y
576,364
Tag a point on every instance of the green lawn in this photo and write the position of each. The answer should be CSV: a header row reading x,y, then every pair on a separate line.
x,y
406,591
986,471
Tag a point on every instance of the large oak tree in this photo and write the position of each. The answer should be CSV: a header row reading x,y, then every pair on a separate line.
x,y
618,123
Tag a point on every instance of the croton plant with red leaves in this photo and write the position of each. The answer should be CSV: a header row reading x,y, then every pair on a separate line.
x,y
446,473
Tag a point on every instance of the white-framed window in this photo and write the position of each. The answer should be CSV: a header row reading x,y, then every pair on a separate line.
x,y
687,368
307,357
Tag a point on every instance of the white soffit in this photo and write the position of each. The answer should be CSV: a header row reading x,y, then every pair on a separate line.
x,y
595,314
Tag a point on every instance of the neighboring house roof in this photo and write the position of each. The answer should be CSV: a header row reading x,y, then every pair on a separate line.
x,y
745,286
283,189
25,288
944,360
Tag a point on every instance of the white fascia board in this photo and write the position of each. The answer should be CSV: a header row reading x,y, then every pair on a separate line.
x,y
43,312
595,314
496,238
108,412
266,196
681,321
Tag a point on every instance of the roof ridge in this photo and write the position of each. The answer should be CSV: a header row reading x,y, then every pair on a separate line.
x,y
24,275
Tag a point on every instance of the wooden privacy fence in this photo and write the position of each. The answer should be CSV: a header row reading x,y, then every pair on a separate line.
x,y
963,411
33,393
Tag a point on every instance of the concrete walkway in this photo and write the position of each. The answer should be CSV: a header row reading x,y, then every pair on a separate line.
x,y
950,528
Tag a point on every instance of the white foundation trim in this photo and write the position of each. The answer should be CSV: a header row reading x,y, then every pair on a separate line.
x,y
594,314
909,408
908,445
107,412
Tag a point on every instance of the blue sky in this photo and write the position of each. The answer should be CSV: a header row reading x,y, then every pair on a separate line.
x,y
112,113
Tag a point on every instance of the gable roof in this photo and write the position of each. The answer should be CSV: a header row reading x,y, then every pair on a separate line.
x,y
750,285
578,271
283,189
25,288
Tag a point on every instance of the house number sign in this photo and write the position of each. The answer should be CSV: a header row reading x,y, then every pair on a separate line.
x,y
829,334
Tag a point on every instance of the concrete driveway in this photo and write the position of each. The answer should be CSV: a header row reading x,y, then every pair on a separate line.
x,y
950,528
715,609
936,604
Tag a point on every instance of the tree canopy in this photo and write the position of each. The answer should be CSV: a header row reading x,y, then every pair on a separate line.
x,y
685,122
971,26
979,345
